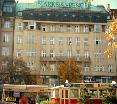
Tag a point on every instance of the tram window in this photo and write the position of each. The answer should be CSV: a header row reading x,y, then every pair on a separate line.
x,y
62,94
73,93
56,93
66,93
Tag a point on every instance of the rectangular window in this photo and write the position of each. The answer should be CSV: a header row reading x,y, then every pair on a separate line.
x,y
20,26
19,39
78,41
43,40
52,54
69,40
86,54
77,29
69,53
109,68
66,93
52,28
86,67
60,40
6,38
97,68
86,28
18,53
43,67
31,53
85,41
52,67
60,53
43,53
97,28
78,54
98,41
51,40
5,51
7,24
31,38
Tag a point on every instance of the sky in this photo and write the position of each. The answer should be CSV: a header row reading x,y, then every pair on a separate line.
x,y
113,3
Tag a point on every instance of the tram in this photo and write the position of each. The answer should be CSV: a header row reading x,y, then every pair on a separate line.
x,y
72,94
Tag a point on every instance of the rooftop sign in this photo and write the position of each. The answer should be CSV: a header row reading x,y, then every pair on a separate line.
x,y
62,4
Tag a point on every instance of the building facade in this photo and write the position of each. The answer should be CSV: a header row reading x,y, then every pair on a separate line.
x,y
7,9
44,37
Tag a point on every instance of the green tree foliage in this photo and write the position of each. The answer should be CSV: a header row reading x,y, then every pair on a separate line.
x,y
70,70
18,72
110,97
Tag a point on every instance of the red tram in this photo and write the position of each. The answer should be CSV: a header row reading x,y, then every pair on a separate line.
x,y
72,94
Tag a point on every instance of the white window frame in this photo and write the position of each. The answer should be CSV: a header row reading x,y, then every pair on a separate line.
x,y
52,42
43,53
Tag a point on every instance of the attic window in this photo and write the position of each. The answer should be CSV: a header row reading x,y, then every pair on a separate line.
x,y
31,27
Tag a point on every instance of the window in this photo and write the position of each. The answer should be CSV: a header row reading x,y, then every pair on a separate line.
x,y
19,39
69,40
52,54
51,40
6,38
97,28
43,53
97,68
7,24
86,28
60,53
31,53
66,93
52,67
101,68
97,41
43,40
69,53
20,27
86,67
31,38
60,40
77,29
109,68
86,54
52,28
78,54
5,51
43,28
68,28
85,41
43,67
18,53
32,25
78,41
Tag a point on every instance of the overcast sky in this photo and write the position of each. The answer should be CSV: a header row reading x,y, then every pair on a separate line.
x,y
113,3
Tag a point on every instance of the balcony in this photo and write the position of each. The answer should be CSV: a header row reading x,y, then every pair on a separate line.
x,y
64,58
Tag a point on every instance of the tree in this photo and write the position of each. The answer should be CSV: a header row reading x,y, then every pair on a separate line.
x,y
18,72
111,37
70,70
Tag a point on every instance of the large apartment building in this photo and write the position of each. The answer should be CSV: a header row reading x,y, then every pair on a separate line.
x,y
45,36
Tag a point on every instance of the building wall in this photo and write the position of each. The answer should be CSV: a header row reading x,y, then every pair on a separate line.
x,y
42,44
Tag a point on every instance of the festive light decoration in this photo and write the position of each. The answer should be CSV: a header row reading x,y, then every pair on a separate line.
x,y
111,37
